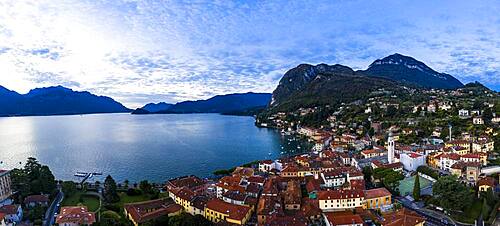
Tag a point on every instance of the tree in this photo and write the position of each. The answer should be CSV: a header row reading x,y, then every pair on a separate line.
x,y
486,208
451,194
110,194
145,186
416,188
34,178
69,188
390,178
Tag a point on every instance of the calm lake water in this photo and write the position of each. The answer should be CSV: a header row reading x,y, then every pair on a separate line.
x,y
137,147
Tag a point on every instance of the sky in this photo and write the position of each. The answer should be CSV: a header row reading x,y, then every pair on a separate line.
x,y
140,51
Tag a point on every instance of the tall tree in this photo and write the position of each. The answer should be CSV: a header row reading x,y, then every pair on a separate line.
x,y
110,193
416,188
451,194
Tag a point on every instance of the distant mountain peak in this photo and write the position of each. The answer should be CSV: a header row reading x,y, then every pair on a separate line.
x,y
407,69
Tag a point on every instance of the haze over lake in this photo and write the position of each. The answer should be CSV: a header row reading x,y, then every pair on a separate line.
x,y
137,147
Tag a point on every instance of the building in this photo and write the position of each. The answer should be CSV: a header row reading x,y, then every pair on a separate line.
x,y
483,145
198,205
378,198
74,216
193,183
141,212
339,200
403,217
13,214
292,195
411,161
463,113
486,183
182,196
5,186
370,153
462,143
343,219
333,178
477,121
447,160
218,210
36,200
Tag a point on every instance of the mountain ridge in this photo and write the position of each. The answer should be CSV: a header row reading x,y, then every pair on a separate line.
x,y
55,100
306,85
226,103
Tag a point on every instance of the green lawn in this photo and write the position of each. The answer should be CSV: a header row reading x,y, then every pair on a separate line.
x,y
406,185
79,198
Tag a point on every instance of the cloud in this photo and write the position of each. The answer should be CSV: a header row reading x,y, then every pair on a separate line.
x,y
140,51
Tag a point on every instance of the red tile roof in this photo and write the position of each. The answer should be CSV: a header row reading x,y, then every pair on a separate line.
x,y
36,199
376,193
148,210
402,217
183,193
414,155
341,218
489,181
9,209
75,214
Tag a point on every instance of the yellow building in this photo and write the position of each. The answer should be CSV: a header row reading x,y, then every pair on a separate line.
x,y
377,198
486,183
218,210
462,143
183,197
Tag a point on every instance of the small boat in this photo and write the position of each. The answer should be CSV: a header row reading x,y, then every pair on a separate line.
x,y
269,153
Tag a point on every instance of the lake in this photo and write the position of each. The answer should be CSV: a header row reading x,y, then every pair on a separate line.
x,y
138,147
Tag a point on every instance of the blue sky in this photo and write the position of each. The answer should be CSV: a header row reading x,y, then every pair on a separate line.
x,y
148,51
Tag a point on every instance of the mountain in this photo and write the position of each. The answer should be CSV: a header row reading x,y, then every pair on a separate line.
x,y
311,85
55,100
152,107
308,85
407,70
229,103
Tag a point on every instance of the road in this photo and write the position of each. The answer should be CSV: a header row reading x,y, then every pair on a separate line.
x,y
53,208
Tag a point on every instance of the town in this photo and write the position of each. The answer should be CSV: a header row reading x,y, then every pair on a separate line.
x,y
430,160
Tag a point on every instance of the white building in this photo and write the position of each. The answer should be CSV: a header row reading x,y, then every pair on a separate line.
x,y
5,187
477,121
333,178
463,113
411,161
338,200
268,165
